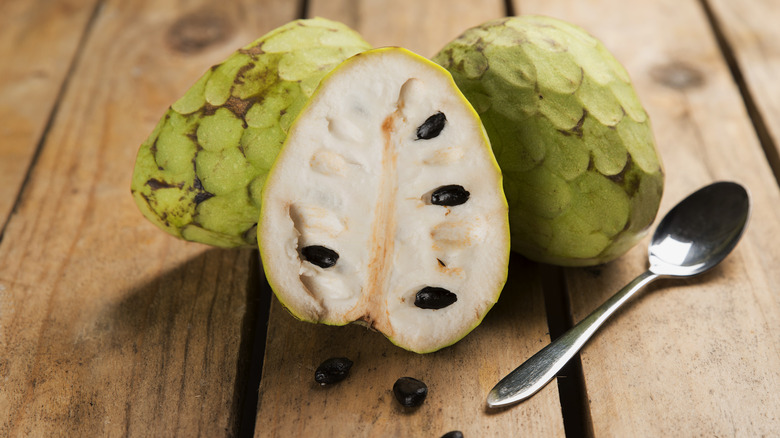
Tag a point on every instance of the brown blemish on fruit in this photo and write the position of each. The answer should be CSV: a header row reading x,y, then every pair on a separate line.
x,y
577,129
153,150
237,106
156,184
626,178
208,110
239,79
201,194
253,51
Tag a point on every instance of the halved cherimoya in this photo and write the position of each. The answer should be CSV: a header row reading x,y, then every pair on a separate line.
x,y
385,205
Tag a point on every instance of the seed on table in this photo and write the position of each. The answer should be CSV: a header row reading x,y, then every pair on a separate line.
x,y
453,434
332,370
410,392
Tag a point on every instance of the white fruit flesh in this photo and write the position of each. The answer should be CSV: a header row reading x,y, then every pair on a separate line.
x,y
354,177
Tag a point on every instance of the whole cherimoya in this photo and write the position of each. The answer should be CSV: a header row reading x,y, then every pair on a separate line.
x,y
200,173
385,205
581,172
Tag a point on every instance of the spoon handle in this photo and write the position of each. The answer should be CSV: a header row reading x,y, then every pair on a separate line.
x,y
537,371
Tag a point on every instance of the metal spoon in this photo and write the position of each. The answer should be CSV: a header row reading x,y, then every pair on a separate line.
x,y
693,237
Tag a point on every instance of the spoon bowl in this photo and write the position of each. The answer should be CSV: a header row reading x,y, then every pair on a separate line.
x,y
699,232
696,235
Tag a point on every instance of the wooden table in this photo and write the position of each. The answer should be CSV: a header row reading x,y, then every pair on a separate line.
x,y
109,327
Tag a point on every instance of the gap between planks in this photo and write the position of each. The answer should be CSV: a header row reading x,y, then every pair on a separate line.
x,y
248,382
756,118
571,380
53,114
250,374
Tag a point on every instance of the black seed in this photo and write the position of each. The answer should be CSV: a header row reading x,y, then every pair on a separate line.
x,y
332,370
450,195
320,256
432,126
410,392
434,298
453,434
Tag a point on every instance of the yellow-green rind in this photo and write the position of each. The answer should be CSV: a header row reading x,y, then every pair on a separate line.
x,y
199,175
274,283
581,172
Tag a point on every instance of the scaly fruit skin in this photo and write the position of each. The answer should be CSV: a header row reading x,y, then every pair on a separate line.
x,y
200,173
581,173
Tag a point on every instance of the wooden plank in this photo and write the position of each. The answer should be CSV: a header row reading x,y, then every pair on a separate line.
x,y
699,356
109,326
751,33
422,27
38,40
459,377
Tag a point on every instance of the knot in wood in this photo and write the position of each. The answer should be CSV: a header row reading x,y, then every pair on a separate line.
x,y
198,30
678,75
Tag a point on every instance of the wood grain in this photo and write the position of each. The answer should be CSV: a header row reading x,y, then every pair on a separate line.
x,y
38,41
109,326
459,377
699,356
423,27
751,35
